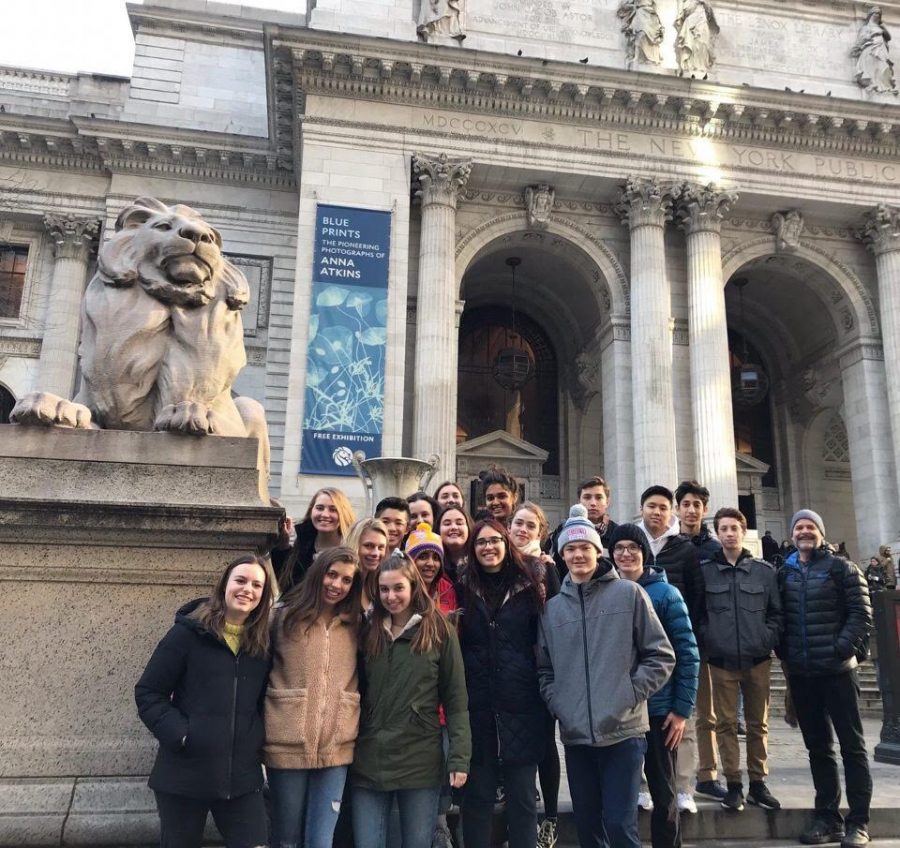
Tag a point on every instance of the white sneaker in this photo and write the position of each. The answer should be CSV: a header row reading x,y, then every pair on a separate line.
x,y
645,802
686,803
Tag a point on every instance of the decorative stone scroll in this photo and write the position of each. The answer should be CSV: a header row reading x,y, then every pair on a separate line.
x,y
644,201
440,179
702,207
539,205
441,21
643,30
73,237
697,31
788,228
874,68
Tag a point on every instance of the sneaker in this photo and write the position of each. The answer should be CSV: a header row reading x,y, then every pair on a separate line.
x,y
822,832
760,796
547,833
856,836
645,802
734,798
710,789
686,803
441,837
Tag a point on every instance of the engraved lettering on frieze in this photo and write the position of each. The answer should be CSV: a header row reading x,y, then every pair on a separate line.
x,y
874,68
539,205
695,42
788,227
643,30
478,126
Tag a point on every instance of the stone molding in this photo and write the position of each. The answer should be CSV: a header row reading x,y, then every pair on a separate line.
x,y
881,229
440,179
644,202
24,348
700,208
370,69
73,237
858,350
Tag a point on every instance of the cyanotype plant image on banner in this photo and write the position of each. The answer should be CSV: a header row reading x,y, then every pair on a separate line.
x,y
344,397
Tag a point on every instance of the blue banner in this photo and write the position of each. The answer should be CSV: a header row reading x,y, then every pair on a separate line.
x,y
343,403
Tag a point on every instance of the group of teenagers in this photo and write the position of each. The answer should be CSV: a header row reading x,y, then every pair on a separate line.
x,y
382,670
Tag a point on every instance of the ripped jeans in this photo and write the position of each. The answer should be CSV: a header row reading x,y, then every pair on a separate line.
x,y
305,805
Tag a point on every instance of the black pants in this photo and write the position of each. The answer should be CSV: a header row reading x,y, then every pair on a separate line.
x,y
836,698
478,804
241,820
659,767
550,772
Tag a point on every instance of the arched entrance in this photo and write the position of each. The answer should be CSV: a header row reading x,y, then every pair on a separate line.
x,y
801,319
549,432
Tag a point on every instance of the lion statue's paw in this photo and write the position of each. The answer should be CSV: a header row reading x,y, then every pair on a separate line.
x,y
49,410
186,416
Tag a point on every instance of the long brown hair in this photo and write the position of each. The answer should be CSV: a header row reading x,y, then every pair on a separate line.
x,y
432,630
513,568
304,602
211,613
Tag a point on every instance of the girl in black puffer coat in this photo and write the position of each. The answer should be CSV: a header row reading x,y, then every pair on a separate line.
x,y
200,696
501,602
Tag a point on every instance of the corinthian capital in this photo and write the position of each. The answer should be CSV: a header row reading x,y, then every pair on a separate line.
x,y
881,229
440,179
701,208
72,236
644,202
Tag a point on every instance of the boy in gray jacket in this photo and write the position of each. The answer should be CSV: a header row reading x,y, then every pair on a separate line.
x,y
602,652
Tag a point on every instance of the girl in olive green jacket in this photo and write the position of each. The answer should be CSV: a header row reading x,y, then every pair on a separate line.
x,y
412,664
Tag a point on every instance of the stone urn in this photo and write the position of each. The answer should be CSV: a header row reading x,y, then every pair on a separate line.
x,y
393,476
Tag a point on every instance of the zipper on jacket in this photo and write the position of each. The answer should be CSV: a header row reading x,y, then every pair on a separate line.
x,y
804,641
234,692
492,646
587,671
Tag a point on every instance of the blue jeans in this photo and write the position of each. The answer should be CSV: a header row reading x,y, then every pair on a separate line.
x,y
604,784
372,814
311,793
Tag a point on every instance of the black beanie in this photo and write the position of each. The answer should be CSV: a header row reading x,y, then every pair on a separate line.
x,y
630,533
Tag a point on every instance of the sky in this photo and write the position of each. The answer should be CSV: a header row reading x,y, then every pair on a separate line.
x,y
78,35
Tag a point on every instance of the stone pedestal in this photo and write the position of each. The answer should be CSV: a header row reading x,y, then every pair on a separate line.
x,y
103,535
886,606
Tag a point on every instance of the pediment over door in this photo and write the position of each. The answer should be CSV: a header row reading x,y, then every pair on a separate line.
x,y
750,472
522,459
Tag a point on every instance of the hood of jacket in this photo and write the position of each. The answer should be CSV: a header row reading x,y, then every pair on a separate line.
x,y
652,574
185,617
657,544
603,574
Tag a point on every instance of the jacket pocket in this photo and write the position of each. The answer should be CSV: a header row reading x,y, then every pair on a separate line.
x,y
285,716
717,598
424,719
347,726
751,597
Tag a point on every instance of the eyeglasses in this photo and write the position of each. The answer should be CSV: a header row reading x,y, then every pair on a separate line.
x,y
627,549
492,541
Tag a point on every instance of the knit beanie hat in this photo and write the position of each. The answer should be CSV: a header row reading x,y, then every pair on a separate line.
x,y
630,533
810,516
423,539
578,528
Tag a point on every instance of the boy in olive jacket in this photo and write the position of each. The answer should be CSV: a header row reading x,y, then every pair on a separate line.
x,y
602,652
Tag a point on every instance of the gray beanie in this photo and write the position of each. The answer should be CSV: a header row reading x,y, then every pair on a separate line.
x,y
578,528
811,516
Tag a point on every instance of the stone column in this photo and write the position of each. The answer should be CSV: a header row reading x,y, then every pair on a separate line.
x,y
73,239
699,211
645,206
434,428
618,431
881,232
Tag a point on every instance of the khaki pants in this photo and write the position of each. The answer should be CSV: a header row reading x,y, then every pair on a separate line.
x,y
754,683
705,717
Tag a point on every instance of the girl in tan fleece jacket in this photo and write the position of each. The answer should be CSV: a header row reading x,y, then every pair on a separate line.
x,y
312,703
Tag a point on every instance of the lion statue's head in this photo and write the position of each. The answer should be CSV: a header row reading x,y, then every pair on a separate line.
x,y
173,254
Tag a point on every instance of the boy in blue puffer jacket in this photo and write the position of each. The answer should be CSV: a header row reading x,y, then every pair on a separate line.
x,y
672,705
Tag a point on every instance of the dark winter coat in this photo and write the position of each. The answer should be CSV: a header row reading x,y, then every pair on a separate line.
x,y
680,559
825,623
679,694
743,611
300,555
707,544
506,711
196,690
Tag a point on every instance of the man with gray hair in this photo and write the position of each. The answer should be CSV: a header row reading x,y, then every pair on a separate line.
x,y
827,622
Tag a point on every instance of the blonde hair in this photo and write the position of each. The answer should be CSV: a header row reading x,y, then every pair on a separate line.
x,y
354,540
346,517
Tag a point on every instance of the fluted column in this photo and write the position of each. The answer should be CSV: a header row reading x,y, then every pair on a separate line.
x,y
73,238
881,233
434,427
646,207
699,211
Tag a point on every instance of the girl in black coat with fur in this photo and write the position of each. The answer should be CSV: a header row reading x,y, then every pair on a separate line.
x,y
200,696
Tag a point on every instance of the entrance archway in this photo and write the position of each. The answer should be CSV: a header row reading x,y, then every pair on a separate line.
x,y
562,303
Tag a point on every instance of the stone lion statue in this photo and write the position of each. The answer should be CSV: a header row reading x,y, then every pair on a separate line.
x,y
162,339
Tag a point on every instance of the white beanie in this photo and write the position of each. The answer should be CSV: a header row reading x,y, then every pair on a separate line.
x,y
578,528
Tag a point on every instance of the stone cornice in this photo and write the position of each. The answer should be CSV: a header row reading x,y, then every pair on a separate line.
x,y
444,78
106,146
